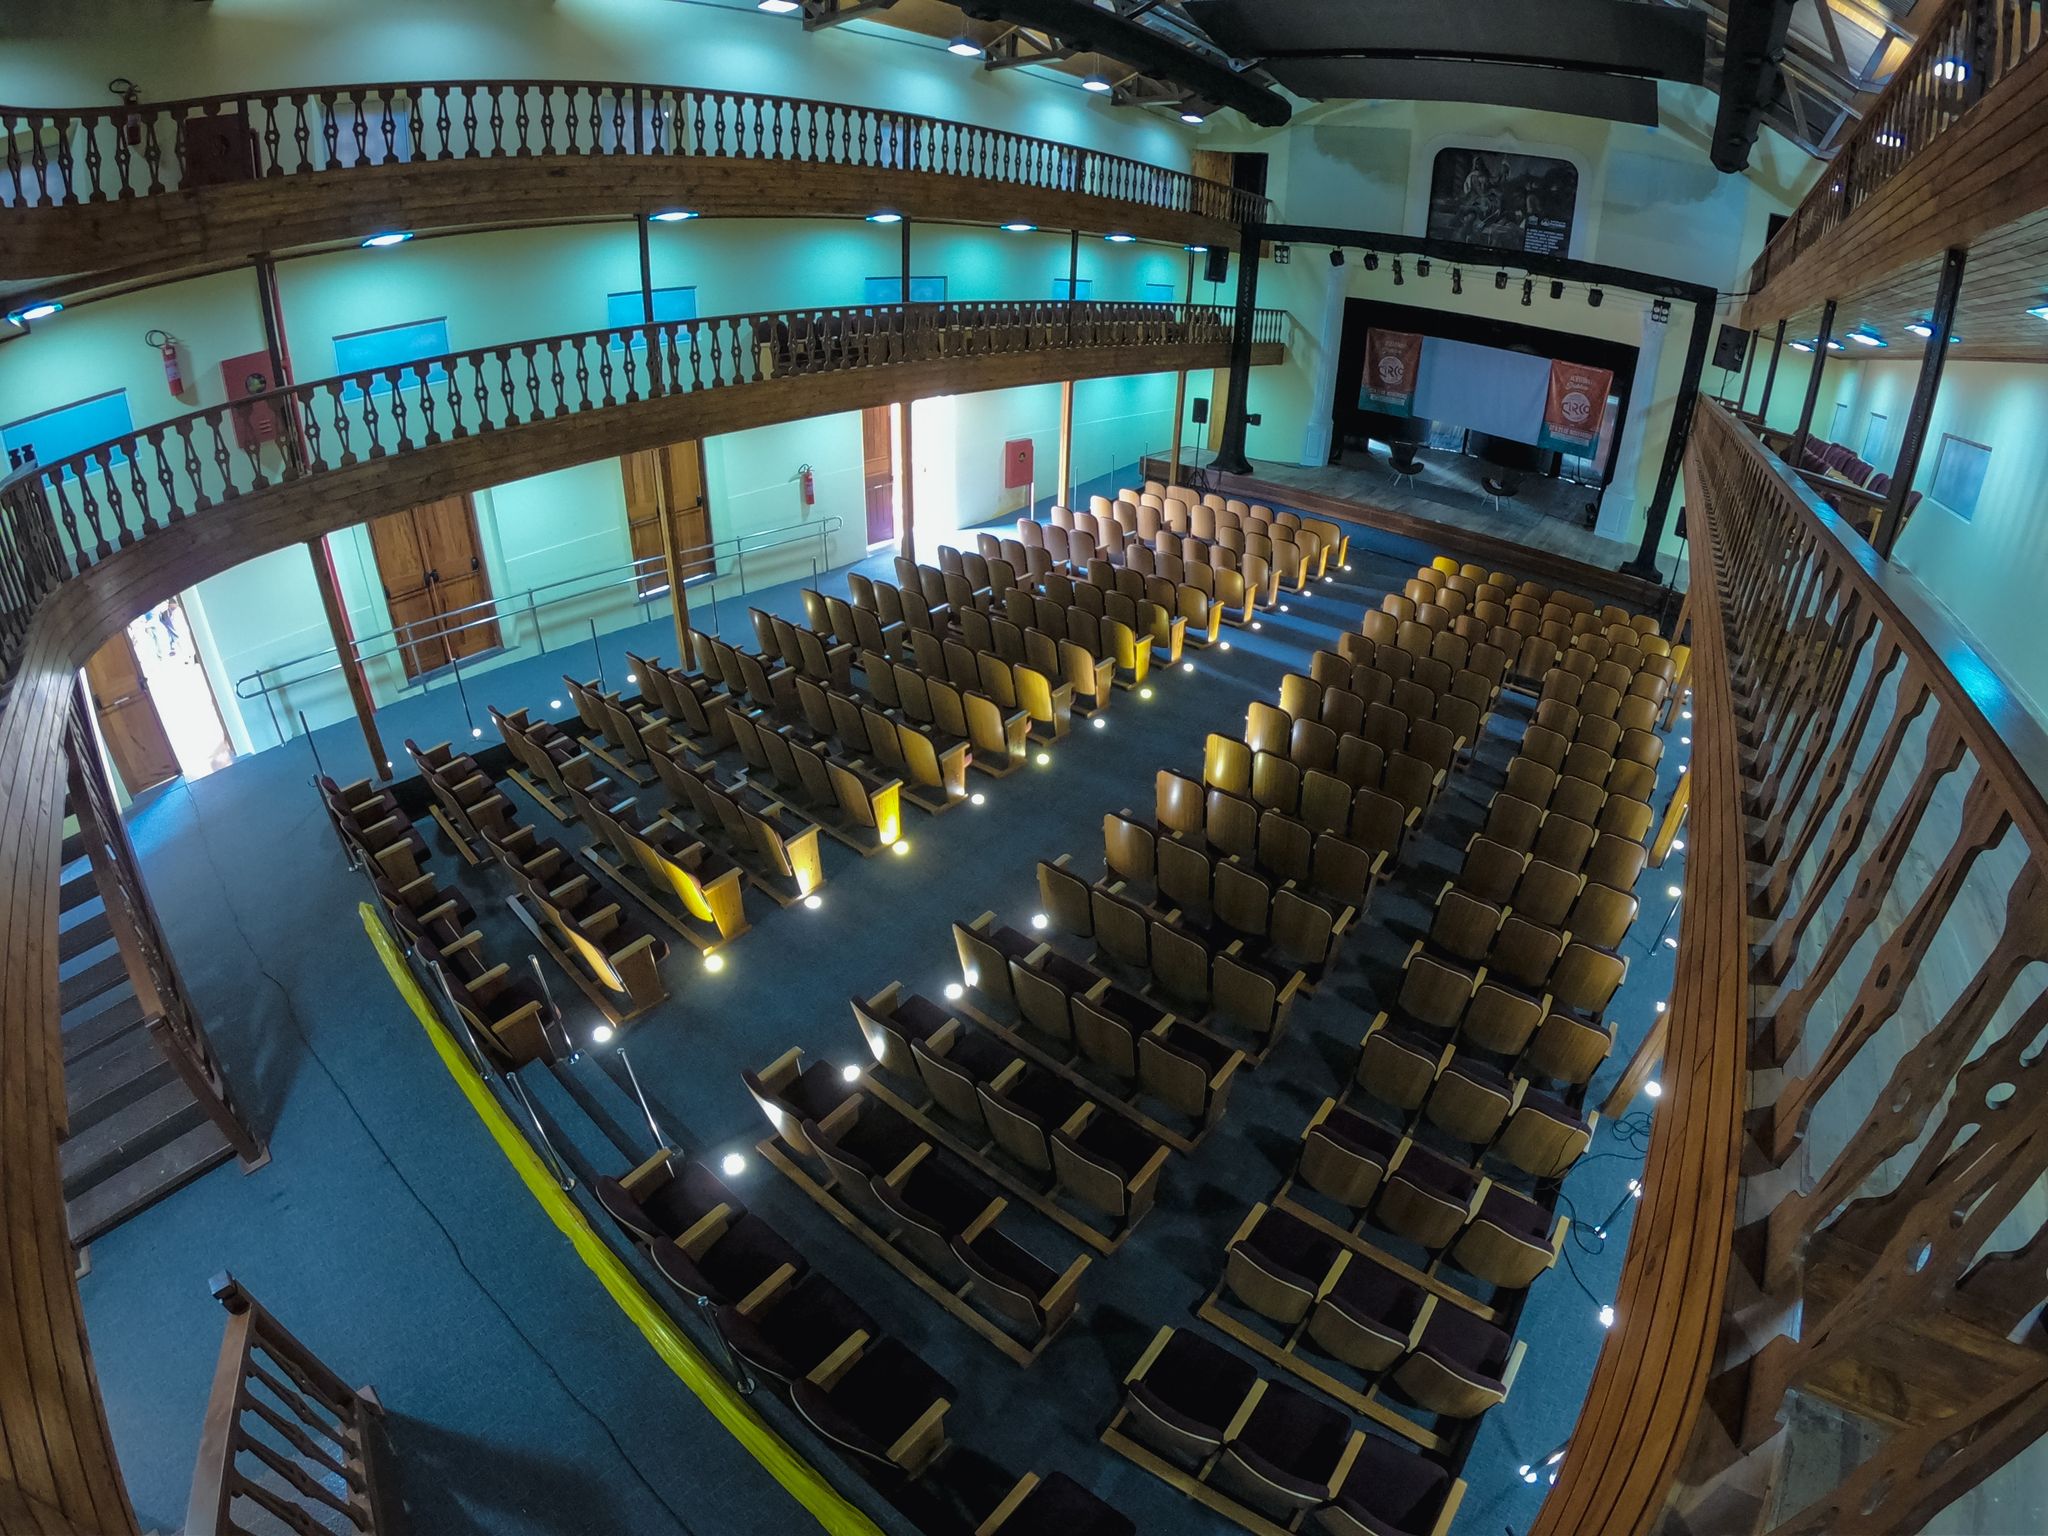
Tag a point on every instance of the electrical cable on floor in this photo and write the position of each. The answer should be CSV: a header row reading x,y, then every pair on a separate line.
x,y
305,1039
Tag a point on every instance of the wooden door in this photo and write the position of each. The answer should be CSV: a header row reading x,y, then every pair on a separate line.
x,y
689,516
431,564
136,738
878,473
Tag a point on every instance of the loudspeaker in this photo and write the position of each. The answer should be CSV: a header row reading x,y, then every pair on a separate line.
x,y
1201,411
1731,348
1217,267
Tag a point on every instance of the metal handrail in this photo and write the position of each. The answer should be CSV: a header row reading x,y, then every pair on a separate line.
x,y
529,603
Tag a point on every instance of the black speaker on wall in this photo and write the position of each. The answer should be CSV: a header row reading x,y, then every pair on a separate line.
x,y
1731,348
1201,411
1217,267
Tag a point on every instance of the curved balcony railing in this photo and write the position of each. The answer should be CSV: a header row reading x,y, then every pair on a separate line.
x,y
1965,52
1842,1197
67,156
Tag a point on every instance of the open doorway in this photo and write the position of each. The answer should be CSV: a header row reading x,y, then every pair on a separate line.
x,y
169,656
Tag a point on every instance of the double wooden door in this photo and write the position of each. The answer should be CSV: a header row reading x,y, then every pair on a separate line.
x,y
134,730
431,564
878,473
681,500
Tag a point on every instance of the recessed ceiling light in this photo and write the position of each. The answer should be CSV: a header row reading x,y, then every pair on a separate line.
x,y
1096,83
885,216
388,238
1019,227
672,215
964,47
1920,328
1119,238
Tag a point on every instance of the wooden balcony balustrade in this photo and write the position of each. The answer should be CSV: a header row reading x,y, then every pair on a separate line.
x,y
1969,50
1844,1201
87,542
277,166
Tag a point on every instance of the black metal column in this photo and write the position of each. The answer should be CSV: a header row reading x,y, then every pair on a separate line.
x,y
1645,562
906,260
1748,367
1763,406
1885,535
1820,361
1230,456
1073,280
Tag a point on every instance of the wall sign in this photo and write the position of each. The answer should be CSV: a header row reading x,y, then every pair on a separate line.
x,y
1505,201
1392,361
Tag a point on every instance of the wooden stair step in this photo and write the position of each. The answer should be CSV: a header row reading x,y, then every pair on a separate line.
x,y
127,1135
78,888
92,1029
87,934
103,1081
113,1200
101,976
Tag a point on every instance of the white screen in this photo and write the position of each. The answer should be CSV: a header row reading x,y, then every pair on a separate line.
x,y
1484,388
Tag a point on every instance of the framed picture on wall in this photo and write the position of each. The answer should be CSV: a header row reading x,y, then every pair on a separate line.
x,y
1506,201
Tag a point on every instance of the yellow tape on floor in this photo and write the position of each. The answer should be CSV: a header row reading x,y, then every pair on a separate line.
x,y
826,1505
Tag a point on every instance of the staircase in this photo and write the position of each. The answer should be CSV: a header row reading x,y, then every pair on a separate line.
x,y
137,1132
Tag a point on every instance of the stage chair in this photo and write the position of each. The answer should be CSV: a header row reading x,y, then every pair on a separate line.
x,y
1251,997
1616,862
664,1197
1567,1049
1524,952
1491,871
953,1062
1289,1454
1464,925
728,1258
891,1023
794,1329
1023,1103
1433,991
1500,1018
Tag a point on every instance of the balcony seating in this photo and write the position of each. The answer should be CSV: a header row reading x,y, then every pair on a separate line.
x,y
728,1258
467,805
664,1197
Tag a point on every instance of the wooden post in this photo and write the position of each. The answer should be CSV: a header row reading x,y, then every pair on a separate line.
x,y
664,486
1180,412
345,648
1641,1068
1820,358
1674,818
906,485
1066,495
1911,443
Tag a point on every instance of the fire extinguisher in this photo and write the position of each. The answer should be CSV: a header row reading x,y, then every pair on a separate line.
x,y
174,370
807,485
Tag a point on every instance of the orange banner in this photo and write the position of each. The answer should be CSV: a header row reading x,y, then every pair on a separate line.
x,y
1392,359
1576,407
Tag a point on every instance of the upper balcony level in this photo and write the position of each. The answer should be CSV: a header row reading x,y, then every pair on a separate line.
x,y
1948,157
128,191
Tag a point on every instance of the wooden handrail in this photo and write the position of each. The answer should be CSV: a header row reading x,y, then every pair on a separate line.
x,y
1837,711
1964,53
62,156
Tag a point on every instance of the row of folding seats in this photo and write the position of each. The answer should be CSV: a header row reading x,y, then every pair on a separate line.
x,y
1447,574
1220,593
751,829
1490,1230
1442,1358
863,1391
613,724
1070,547
507,1011
1442,662
1179,509
550,762
1471,1100
1265,1451
915,1197
468,806
691,706
702,892
1106,1160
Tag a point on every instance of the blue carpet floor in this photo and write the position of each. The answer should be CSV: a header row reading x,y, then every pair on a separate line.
x,y
389,1233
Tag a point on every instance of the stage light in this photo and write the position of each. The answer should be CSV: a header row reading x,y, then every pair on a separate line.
x,y
1528,290
1397,271
1038,920
1422,266
900,847
1660,311
1500,280
964,48
476,731
885,216
1144,693
1556,289
1372,261
1654,1089
1607,1317
1336,258
41,311
954,991
1662,1006
1457,280
1043,759
1096,83
1594,296
379,242
1019,227
671,215
1098,722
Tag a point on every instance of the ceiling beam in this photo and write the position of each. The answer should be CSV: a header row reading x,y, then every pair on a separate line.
x,y
1750,78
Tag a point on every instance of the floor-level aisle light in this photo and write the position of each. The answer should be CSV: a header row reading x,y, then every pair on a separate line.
x,y
1546,1466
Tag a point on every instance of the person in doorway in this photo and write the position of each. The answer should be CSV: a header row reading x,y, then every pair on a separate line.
x,y
163,629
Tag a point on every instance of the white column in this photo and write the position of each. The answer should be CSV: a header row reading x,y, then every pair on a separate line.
x,y
1315,437
1618,506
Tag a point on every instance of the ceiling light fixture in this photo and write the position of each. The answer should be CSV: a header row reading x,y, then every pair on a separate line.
x,y
671,215
1019,227
964,47
1864,336
778,7
1096,83
1336,258
1802,346
1119,238
40,311
885,216
1195,119
387,239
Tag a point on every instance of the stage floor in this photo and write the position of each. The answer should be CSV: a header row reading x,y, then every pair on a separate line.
x,y
1546,514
